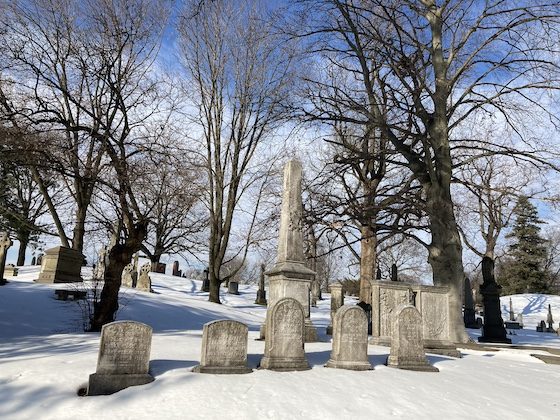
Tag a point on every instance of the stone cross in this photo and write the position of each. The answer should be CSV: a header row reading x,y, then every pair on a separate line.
x,y
224,348
407,343
128,275
124,358
350,339
337,301
285,326
5,243
144,282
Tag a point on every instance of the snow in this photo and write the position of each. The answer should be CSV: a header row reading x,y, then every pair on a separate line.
x,y
45,359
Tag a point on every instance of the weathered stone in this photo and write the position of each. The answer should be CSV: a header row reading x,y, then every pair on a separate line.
x,y
337,301
550,320
261,293
124,358
469,315
99,272
129,276
40,259
407,349
11,270
61,265
159,268
290,277
493,330
33,261
224,348
542,326
350,340
206,281
520,319
233,288
144,282
5,243
378,274
284,344
431,301
511,313
176,271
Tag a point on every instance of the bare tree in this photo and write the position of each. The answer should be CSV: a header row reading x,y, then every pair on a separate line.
x,y
240,77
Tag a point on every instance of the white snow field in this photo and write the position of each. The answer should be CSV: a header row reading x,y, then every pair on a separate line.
x,y
45,358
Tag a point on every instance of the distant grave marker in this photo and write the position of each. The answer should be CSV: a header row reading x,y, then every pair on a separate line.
x,y
144,282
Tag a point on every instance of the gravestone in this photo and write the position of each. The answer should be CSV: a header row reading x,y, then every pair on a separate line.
x,y
206,281
144,282
285,327
5,243
378,274
99,272
40,259
512,324
394,274
61,265
337,301
520,319
33,261
542,326
129,275
159,268
124,358
11,270
224,348
233,288
176,270
315,292
550,321
407,349
493,330
511,313
469,317
431,301
290,277
261,293
350,340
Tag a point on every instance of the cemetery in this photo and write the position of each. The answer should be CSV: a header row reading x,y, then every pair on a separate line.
x,y
323,209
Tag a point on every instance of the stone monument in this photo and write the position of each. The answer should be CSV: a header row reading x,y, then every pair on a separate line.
x,y
350,340
129,276
512,324
233,288
61,265
124,358
176,272
469,313
284,342
5,243
206,281
261,293
290,277
224,348
144,282
11,270
550,321
493,330
407,349
337,301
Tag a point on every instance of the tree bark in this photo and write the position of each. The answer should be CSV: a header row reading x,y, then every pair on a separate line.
x,y
23,238
79,228
368,245
214,295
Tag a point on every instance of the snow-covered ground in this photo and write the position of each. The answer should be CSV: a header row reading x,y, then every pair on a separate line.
x,y
45,359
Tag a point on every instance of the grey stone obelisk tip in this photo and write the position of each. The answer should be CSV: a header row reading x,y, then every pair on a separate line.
x,y
290,242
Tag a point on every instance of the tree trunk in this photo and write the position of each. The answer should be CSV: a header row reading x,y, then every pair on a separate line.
x,y
445,256
368,245
79,229
214,295
23,238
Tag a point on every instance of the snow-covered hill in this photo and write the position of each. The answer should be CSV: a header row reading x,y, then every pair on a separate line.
x,y
45,359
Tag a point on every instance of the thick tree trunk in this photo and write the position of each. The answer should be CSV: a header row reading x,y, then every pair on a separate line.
x,y
79,229
368,245
214,295
23,238
445,256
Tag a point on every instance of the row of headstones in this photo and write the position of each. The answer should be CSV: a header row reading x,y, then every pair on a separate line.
x,y
542,327
140,281
125,346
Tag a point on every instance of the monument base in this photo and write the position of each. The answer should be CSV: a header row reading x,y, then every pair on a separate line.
x,y
310,333
444,348
100,384
417,365
281,364
61,265
494,340
340,364
512,325
222,370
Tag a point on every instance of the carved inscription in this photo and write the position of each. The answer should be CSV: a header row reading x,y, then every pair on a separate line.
x,y
224,343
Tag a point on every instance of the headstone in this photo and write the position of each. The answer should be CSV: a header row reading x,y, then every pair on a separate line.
x,y
40,260
337,301
315,292
176,271
520,319
144,282
407,349
431,301
124,358
11,270
493,330
233,288
290,277
378,274
261,293
550,321
129,275
285,327
61,265
511,313
206,281
350,340
469,312
5,243
159,268
33,261
394,275
541,327
99,272
224,348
